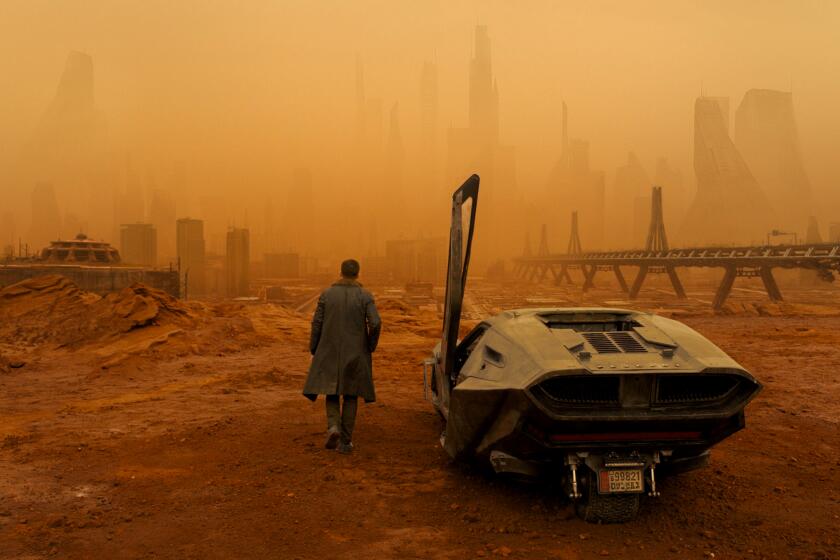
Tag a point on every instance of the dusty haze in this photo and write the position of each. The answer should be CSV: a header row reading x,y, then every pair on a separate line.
x,y
232,110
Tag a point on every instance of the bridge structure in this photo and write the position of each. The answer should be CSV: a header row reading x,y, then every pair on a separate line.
x,y
658,258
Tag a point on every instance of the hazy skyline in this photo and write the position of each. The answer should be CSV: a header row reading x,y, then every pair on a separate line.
x,y
239,96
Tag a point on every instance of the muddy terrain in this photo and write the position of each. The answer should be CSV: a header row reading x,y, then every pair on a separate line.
x,y
139,426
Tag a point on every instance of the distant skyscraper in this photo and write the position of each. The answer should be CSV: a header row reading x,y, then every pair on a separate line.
x,y
729,206
191,255
574,187
46,220
138,244
767,137
476,149
238,262
68,146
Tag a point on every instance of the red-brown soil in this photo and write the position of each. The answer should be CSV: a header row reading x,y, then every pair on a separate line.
x,y
119,441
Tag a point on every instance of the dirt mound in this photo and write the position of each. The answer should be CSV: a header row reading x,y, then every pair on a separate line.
x,y
53,310
393,306
400,318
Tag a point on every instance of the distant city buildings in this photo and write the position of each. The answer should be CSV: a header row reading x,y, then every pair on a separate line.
x,y
417,260
138,244
238,262
749,172
574,187
730,206
477,148
767,137
191,250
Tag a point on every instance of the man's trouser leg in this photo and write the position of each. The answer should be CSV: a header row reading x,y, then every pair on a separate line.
x,y
348,418
333,412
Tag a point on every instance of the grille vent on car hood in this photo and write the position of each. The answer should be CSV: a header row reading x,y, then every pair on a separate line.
x,y
614,342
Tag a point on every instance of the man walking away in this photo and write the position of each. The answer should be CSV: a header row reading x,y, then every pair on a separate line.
x,y
345,332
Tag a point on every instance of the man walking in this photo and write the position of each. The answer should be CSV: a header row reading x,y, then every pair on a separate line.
x,y
345,332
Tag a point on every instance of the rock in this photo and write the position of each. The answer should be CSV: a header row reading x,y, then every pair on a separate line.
x,y
56,521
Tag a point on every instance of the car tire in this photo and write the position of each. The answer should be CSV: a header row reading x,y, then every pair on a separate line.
x,y
608,508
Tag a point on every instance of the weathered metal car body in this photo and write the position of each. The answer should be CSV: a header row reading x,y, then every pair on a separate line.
x,y
601,399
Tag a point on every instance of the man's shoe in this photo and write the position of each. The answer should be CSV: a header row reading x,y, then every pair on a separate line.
x,y
345,448
332,438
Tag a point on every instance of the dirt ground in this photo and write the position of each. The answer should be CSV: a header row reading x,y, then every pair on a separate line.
x,y
143,427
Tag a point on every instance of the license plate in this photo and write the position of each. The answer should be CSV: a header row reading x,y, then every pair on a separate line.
x,y
620,480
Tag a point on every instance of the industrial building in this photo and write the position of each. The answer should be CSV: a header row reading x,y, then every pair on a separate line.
x,y
238,262
191,250
138,244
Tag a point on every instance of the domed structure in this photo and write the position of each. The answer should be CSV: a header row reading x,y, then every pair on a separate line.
x,y
81,250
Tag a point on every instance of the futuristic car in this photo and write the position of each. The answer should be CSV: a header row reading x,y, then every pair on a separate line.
x,y
603,400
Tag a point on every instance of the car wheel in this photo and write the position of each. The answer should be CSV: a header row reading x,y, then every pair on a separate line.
x,y
607,508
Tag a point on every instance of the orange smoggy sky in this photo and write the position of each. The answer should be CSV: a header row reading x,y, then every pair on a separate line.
x,y
241,93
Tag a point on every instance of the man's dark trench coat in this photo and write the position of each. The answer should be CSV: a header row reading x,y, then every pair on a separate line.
x,y
345,332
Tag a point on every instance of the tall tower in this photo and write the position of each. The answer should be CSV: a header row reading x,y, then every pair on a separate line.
x,y
729,206
191,254
138,244
766,135
237,262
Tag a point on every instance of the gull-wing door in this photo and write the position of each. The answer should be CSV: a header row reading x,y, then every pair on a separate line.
x,y
456,281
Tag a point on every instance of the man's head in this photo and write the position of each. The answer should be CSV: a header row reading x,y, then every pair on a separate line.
x,y
350,269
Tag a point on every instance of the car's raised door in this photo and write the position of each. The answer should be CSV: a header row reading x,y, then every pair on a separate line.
x,y
456,280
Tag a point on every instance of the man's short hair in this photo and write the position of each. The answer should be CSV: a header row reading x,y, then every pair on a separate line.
x,y
350,268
